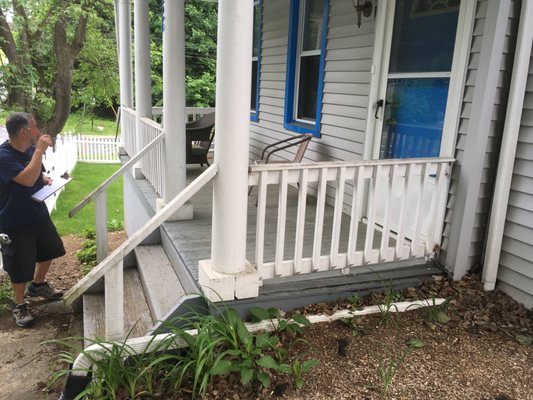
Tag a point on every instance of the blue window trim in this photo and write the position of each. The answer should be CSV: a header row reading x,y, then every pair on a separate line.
x,y
254,115
290,122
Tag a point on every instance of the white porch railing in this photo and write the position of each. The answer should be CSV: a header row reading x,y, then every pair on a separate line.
x,y
111,268
193,113
128,130
404,216
97,149
152,165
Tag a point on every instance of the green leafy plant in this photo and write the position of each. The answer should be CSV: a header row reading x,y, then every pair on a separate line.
x,y
388,307
292,324
415,343
387,368
115,225
525,340
6,291
356,302
87,255
298,369
89,233
221,345
436,314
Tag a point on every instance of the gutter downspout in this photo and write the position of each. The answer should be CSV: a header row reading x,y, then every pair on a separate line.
x,y
508,148
79,376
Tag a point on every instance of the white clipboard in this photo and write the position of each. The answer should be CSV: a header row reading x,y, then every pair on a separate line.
x,y
48,190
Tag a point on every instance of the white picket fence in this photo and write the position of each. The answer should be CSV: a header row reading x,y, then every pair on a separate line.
x,y
69,149
97,149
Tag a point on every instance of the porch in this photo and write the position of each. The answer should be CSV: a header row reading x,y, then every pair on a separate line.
x,y
300,248
315,232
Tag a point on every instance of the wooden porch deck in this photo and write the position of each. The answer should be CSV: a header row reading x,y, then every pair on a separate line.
x,y
188,242
193,238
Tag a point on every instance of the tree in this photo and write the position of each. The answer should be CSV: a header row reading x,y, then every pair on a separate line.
x,y
42,44
200,52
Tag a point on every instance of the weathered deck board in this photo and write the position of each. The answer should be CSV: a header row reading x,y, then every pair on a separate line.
x,y
93,317
161,285
137,316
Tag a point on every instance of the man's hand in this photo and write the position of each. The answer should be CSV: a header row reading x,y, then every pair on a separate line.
x,y
47,180
44,142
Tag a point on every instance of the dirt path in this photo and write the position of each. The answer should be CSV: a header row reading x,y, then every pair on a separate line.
x,y
26,364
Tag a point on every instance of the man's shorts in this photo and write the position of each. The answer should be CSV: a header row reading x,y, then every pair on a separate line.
x,y
31,244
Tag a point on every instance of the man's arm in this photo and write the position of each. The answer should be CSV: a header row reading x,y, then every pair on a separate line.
x,y
29,175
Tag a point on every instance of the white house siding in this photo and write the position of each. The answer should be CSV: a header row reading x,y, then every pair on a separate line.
x,y
346,83
515,273
495,133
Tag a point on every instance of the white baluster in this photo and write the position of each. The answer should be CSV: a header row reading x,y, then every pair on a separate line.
x,y
337,218
401,252
300,222
355,258
319,221
369,239
260,227
384,247
282,218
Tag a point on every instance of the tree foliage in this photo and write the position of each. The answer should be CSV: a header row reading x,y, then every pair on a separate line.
x,y
43,42
200,52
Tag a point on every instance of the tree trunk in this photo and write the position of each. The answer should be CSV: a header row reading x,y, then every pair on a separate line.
x,y
65,54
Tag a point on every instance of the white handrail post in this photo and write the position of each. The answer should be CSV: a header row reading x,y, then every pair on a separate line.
x,y
228,274
124,60
143,82
100,210
114,302
174,114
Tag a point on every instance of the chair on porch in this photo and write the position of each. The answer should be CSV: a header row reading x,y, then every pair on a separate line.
x,y
199,136
302,141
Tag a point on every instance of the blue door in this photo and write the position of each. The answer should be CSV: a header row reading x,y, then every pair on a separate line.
x,y
422,46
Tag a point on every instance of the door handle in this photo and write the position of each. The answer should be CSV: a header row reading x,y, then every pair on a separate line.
x,y
379,104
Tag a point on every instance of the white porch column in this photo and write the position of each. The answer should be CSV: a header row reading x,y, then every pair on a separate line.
x,y
228,275
471,172
124,59
174,116
143,83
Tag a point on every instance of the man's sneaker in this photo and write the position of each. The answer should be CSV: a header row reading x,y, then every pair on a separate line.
x,y
43,290
22,315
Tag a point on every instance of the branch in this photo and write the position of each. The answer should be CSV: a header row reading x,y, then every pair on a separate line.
x,y
8,44
24,34
79,37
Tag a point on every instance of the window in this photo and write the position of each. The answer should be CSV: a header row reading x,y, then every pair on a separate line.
x,y
256,61
305,65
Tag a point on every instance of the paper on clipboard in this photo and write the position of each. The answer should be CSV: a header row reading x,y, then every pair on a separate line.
x,y
48,190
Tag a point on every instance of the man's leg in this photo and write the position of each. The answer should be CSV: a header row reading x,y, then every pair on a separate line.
x,y
41,269
39,287
18,289
21,311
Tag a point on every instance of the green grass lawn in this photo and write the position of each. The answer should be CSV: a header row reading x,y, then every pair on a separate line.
x,y
84,125
88,177
90,126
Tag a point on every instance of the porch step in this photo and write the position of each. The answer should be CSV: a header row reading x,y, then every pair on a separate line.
x,y
137,316
162,287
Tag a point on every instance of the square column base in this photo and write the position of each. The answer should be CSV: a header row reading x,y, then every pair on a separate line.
x,y
184,213
226,287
